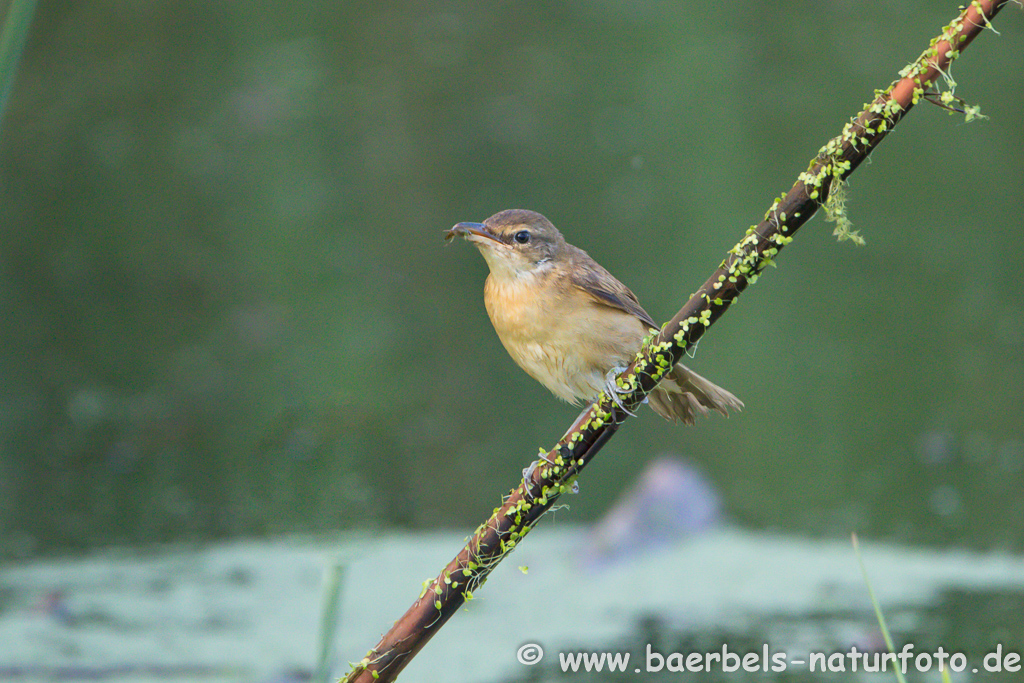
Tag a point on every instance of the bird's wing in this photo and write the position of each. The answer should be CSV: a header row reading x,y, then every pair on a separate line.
x,y
589,276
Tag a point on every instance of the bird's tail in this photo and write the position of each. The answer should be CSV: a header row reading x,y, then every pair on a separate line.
x,y
683,394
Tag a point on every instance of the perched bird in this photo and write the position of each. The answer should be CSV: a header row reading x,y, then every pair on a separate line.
x,y
568,322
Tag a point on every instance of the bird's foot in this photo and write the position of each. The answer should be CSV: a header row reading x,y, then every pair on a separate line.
x,y
614,390
528,477
528,471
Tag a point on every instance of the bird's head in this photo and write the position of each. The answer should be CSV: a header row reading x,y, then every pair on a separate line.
x,y
514,242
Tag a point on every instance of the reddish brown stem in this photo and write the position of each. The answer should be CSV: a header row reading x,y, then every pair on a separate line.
x,y
555,471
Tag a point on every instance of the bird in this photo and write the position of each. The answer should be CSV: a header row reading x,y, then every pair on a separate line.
x,y
568,322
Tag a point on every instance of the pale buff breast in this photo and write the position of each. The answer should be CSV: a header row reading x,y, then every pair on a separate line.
x,y
560,337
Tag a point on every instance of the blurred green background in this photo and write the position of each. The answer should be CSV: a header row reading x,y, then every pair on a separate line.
x,y
228,309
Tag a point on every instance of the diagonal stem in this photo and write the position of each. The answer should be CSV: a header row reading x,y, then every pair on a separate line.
x,y
555,471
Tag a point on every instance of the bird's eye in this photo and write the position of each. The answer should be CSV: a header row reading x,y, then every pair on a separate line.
x,y
522,237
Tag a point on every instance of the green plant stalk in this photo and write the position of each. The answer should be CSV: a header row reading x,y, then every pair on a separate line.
x,y
12,44
333,579
878,610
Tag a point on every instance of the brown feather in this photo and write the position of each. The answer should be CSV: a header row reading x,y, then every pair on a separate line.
x,y
588,275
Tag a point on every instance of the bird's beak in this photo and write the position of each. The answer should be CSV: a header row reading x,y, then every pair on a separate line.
x,y
474,232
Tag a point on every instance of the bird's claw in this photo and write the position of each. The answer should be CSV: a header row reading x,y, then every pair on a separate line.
x,y
613,391
528,472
